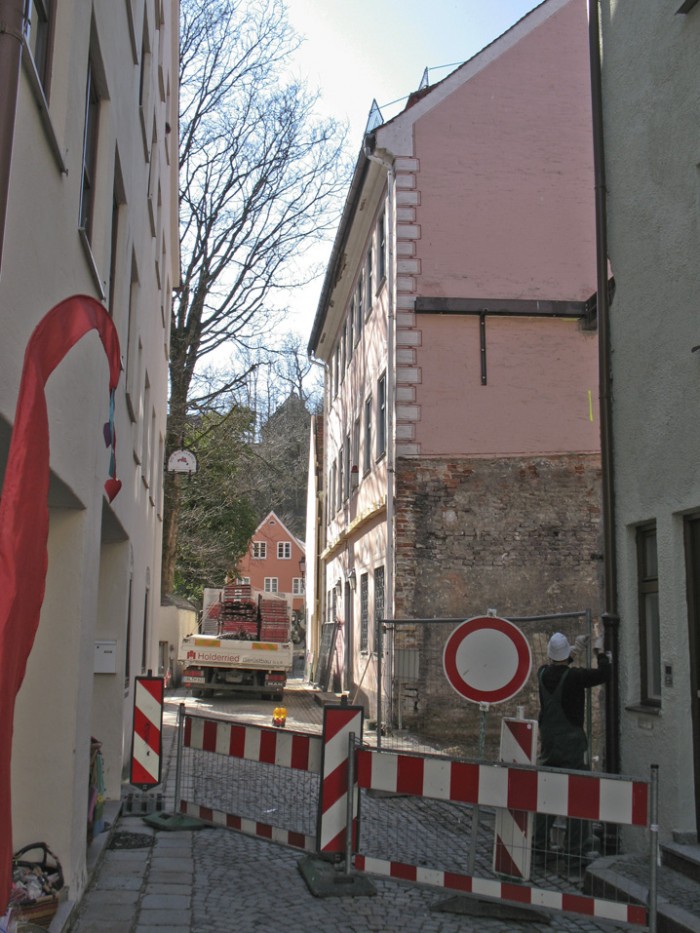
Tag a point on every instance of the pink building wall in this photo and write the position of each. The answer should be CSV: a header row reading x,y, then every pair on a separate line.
x,y
495,200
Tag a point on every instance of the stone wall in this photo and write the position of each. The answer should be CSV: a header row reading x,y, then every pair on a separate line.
x,y
518,535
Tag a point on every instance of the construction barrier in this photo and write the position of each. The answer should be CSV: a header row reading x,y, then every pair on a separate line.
x,y
146,741
460,789
260,781
513,834
427,819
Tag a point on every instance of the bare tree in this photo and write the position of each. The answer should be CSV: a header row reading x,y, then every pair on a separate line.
x,y
261,178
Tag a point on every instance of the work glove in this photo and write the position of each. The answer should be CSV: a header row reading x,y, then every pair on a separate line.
x,y
580,644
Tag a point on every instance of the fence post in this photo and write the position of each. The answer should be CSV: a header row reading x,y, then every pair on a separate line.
x,y
350,808
380,674
178,758
653,845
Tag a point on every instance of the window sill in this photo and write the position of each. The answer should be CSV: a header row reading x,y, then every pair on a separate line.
x,y
643,709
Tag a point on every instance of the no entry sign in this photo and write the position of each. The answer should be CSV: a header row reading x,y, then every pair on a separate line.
x,y
487,659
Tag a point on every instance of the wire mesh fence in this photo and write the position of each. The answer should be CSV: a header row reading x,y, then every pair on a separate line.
x,y
540,855
267,777
419,711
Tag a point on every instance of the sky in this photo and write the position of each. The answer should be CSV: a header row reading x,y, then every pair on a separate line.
x,y
355,51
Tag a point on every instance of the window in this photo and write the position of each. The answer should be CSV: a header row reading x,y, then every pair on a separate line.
x,y
381,249
359,297
343,353
270,584
259,550
649,634
284,550
297,586
364,612
370,296
351,332
355,468
118,211
367,460
378,603
358,319
87,191
336,369
346,458
381,416
332,488
37,27
341,477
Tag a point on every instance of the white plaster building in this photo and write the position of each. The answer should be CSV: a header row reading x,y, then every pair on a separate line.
x,y
91,209
651,102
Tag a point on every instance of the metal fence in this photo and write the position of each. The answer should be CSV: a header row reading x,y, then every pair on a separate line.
x,y
506,832
418,710
435,821
261,781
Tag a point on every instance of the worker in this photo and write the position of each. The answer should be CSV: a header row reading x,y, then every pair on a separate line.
x,y
563,742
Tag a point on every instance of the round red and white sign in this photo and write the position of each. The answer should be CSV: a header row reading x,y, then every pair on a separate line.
x,y
487,659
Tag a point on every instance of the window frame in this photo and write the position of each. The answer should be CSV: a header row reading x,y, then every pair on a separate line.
x,y
364,613
284,550
381,249
261,548
273,586
649,619
91,132
381,439
367,455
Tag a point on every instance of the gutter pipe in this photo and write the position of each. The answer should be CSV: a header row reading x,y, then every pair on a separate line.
x,y
388,165
610,616
11,30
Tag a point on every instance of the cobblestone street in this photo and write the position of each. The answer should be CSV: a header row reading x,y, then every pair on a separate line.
x,y
214,880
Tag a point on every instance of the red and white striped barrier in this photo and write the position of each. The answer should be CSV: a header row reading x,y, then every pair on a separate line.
x,y
513,832
512,892
146,748
249,827
603,798
338,723
286,748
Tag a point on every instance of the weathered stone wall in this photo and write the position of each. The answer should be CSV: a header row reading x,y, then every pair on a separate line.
x,y
519,535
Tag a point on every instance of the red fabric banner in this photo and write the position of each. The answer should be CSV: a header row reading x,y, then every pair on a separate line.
x,y
24,518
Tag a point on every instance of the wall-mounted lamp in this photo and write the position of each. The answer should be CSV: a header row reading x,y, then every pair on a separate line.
x,y
354,476
352,579
302,566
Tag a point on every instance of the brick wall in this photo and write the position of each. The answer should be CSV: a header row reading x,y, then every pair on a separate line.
x,y
518,535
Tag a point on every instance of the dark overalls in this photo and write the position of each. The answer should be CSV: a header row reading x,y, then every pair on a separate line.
x,y
563,745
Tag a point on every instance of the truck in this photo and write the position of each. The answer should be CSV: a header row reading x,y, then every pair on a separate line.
x,y
243,644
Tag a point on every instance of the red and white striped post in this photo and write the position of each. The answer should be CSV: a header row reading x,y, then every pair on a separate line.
x,y
146,741
334,804
512,850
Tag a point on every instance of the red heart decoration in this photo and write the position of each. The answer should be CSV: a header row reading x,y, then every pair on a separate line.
x,y
112,487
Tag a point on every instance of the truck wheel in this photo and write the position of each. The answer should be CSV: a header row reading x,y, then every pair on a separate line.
x,y
278,697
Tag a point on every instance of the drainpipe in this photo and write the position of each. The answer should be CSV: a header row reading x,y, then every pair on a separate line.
x,y
11,23
610,616
390,391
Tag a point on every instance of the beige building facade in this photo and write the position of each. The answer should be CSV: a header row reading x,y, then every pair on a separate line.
x,y
91,208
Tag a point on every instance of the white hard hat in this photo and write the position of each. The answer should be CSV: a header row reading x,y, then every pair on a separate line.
x,y
558,648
